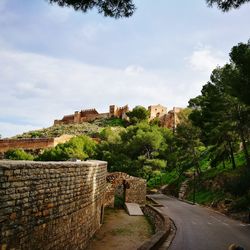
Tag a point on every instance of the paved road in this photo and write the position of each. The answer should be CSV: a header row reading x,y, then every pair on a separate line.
x,y
201,228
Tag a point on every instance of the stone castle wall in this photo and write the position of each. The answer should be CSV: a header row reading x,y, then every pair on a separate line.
x,y
156,111
135,188
45,205
89,115
32,143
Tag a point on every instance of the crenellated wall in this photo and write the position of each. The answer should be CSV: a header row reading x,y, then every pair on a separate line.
x,y
50,205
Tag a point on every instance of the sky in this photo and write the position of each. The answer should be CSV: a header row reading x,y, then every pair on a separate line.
x,y
54,60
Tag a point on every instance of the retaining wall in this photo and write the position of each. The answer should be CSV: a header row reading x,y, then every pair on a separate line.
x,y
50,205
162,226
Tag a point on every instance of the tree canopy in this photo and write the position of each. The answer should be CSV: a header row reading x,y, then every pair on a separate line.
x,y
138,114
226,5
111,8
126,8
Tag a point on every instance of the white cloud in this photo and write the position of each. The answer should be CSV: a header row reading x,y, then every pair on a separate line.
x,y
134,70
10,129
205,60
36,89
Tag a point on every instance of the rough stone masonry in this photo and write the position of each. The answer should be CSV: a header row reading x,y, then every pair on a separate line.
x,y
50,205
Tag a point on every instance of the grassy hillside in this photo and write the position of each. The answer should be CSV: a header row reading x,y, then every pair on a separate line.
x,y
87,128
221,187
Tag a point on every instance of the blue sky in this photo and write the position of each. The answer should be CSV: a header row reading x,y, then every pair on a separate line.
x,y
54,60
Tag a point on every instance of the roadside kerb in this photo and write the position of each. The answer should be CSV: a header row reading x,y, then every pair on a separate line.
x,y
162,225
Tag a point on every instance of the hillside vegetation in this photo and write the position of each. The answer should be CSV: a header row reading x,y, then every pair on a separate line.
x,y
208,150
87,128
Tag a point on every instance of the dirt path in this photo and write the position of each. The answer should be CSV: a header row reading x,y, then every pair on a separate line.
x,y
121,231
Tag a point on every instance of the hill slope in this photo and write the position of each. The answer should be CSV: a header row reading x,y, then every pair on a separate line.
x,y
87,128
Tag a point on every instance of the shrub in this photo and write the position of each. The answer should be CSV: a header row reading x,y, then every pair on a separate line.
x,y
18,154
80,147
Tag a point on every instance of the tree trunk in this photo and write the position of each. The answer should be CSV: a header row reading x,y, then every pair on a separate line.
x,y
232,154
242,136
244,147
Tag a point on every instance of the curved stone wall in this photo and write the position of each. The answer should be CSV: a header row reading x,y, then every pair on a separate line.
x,y
50,205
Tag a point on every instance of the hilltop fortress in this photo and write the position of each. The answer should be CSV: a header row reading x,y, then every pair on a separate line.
x,y
89,115
167,118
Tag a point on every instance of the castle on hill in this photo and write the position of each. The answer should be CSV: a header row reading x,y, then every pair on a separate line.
x,y
167,118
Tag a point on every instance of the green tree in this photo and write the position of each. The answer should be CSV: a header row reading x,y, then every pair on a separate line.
x,y
188,148
236,74
137,150
111,8
80,147
221,117
18,154
138,114
226,5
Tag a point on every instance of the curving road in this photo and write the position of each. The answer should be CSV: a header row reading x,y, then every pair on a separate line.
x,y
200,228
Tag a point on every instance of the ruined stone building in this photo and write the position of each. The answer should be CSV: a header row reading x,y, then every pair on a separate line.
x,y
119,112
157,111
168,119
89,115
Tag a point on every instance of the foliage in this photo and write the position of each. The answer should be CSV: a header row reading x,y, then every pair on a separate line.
x,y
80,147
58,130
188,146
126,8
226,5
207,197
18,154
138,114
222,111
110,122
238,184
237,73
241,203
139,149
111,8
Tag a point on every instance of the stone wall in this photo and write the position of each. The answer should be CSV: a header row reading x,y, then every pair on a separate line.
x,y
50,205
162,228
135,188
32,143
118,112
156,111
171,119
26,143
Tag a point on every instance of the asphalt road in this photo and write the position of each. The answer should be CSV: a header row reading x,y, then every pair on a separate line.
x,y
200,228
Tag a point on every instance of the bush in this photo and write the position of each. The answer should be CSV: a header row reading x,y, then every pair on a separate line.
x,y
241,204
239,184
80,147
18,154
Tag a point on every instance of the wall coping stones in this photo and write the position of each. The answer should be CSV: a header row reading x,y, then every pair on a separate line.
x,y
162,227
12,164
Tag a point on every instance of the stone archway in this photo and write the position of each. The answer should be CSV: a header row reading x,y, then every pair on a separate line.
x,y
133,188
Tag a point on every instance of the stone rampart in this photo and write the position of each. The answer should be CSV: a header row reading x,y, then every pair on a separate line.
x,y
50,205
26,143
32,143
